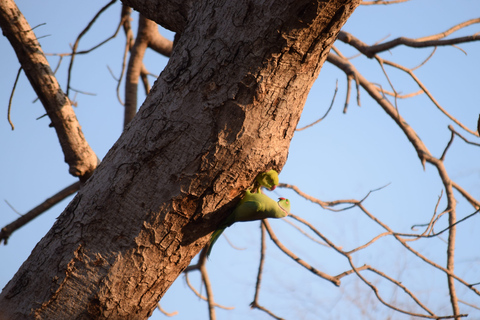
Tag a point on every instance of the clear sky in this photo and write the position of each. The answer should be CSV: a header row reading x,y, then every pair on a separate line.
x,y
343,157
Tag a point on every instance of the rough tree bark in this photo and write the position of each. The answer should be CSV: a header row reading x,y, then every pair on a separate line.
x,y
224,109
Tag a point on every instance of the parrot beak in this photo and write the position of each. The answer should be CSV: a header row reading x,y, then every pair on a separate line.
x,y
272,188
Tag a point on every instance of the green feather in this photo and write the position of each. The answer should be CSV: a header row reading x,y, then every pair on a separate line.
x,y
268,179
215,235
253,206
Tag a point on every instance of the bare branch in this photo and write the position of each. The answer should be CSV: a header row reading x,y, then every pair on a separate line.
x,y
75,45
450,127
371,51
418,254
270,313
7,231
357,270
202,297
469,304
430,41
326,113
168,314
466,195
297,259
437,233
11,207
78,154
147,36
206,282
426,60
255,304
401,96
145,29
358,203
442,157
305,234
450,31
11,98
159,43
374,2
260,267
399,284
427,92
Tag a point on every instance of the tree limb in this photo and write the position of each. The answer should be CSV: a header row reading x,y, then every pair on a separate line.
x,y
77,41
147,36
7,231
430,41
171,14
79,156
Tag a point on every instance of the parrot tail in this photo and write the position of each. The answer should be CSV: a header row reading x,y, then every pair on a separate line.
x,y
215,235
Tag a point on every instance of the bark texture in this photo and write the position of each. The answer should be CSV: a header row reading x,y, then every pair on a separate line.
x,y
224,109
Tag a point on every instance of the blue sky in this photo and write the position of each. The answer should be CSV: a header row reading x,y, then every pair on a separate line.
x,y
343,157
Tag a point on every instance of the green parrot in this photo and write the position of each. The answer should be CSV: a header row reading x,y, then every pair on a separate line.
x,y
253,206
268,179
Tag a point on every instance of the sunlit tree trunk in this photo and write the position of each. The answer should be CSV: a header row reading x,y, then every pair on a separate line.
x,y
224,109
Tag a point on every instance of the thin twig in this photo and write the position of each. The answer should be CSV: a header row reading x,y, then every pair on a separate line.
x,y
437,233
405,289
202,297
14,210
168,314
326,113
442,158
450,127
376,2
208,286
260,267
75,45
11,98
296,258
430,41
255,304
305,234
469,304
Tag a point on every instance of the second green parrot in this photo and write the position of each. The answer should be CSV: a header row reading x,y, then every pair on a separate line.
x,y
268,179
253,206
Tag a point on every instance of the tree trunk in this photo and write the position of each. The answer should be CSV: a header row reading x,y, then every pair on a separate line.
x,y
224,109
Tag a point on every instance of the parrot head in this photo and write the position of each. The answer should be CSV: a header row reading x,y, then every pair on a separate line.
x,y
268,179
284,205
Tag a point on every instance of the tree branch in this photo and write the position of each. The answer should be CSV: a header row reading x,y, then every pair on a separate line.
x,y
147,36
84,31
171,14
11,98
7,231
296,258
255,304
430,41
80,157
375,2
